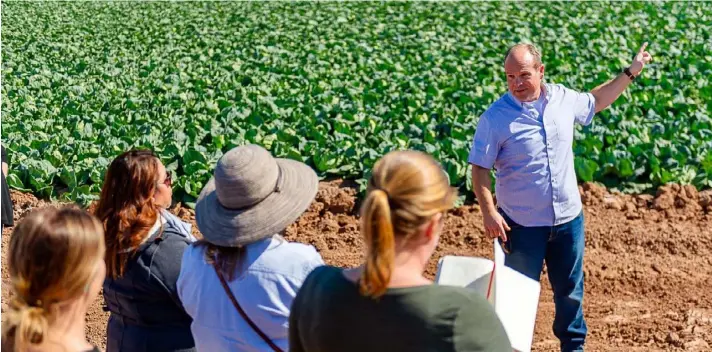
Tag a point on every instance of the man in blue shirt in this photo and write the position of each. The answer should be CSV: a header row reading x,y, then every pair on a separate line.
x,y
527,136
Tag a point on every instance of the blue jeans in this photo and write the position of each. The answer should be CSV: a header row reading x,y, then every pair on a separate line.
x,y
562,248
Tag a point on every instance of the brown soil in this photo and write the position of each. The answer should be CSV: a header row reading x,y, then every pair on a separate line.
x,y
648,262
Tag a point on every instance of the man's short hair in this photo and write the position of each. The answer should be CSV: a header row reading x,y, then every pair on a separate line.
x,y
531,48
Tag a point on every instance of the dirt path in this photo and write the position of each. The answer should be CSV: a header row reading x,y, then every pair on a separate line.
x,y
648,263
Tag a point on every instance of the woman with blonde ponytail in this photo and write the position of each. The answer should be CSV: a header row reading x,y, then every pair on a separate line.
x,y
56,263
386,304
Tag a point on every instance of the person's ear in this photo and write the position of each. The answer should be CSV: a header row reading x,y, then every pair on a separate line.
x,y
433,226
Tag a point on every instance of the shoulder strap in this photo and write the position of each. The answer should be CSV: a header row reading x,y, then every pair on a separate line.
x,y
242,312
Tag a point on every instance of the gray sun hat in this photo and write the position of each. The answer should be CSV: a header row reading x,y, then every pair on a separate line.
x,y
253,195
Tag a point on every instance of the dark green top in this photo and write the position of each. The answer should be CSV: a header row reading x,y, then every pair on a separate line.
x,y
330,315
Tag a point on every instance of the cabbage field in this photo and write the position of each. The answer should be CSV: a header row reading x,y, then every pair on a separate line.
x,y
337,85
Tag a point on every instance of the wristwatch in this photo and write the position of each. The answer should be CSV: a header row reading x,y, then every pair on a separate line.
x,y
628,73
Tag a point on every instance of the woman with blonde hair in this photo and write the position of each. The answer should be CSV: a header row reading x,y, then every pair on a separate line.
x,y
387,304
144,247
56,264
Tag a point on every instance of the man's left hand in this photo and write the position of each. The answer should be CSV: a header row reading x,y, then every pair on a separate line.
x,y
641,58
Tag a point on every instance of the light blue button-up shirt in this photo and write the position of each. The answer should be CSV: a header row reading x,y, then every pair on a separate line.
x,y
274,270
530,146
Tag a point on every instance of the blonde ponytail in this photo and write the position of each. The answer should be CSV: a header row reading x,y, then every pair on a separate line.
x,y
53,257
377,230
406,189
24,326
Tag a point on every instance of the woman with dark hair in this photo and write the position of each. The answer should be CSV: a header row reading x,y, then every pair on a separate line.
x,y
144,246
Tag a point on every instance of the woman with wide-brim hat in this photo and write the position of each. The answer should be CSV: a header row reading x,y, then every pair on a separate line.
x,y
238,283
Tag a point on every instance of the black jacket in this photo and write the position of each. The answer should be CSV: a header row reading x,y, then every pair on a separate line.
x,y
146,313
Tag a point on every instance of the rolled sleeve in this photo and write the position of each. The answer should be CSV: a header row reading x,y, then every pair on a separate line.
x,y
584,107
485,145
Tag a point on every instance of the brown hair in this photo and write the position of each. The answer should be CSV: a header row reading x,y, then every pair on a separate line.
x,y
229,260
531,48
405,190
126,206
52,259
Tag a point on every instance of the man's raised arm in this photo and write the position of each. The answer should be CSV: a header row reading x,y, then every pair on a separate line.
x,y
608,92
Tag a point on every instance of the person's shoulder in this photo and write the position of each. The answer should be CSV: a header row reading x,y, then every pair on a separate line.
x,y
193,264
456,296
322,275
471,298
284,258
322,280
555,87
165,249
498,110
558,89
454,301
312,295
177,225
497,106
195,251
173,233
327,271
297,250
441,301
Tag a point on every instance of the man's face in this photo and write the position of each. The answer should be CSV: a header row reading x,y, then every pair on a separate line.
x,y
524,75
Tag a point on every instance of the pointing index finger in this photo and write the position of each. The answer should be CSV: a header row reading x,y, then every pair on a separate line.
x,y
642,48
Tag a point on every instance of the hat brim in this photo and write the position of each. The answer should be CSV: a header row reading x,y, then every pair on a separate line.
x,y
232,228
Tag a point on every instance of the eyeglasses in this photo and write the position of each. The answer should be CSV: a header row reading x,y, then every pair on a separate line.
x,y
169,179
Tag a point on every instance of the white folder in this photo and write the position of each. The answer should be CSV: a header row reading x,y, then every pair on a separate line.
x,y
515,297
